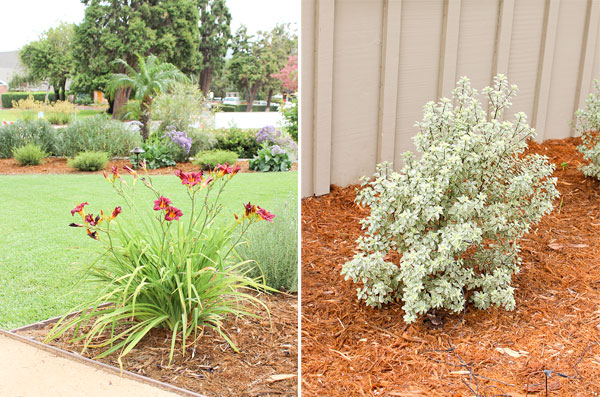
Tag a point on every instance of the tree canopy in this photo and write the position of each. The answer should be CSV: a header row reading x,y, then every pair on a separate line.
x,y
118,29
215,35
49,59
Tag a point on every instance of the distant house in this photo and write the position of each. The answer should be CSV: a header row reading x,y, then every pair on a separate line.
x,y
3,87
9,65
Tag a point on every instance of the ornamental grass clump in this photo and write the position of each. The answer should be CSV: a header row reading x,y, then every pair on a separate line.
x,y
588,125
446,227
162,267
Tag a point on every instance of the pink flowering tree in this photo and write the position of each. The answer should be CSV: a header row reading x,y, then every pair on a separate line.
x,y
289,74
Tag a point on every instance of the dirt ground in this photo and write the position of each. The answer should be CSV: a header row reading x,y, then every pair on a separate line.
x,y
58,165
267,364
351,349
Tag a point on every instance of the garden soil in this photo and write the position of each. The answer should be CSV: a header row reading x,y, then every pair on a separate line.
x,y
58,165
266,365
351,349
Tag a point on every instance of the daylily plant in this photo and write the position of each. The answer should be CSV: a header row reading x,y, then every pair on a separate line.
x,y
165,268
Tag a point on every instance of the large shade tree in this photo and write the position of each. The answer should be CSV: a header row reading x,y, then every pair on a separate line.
x,y
118,29
49,59
257,58
215,34
152,78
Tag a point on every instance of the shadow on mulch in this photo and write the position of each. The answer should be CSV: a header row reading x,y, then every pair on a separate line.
x,y
351,349
58,165
267,364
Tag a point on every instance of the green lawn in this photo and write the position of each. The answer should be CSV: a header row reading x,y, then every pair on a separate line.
x,y
15,114
41,259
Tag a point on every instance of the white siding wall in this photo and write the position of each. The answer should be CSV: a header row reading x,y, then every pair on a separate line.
x,y
369,66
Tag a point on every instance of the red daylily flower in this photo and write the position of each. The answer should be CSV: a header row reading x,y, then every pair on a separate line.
x,y
179,174
130,171
89,218
192,179
225,169
264,214
76,225
115,212
93,234
250,209
79,209
162,203
173,213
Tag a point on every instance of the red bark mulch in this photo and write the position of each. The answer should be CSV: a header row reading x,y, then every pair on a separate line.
x,y
266,365
351,349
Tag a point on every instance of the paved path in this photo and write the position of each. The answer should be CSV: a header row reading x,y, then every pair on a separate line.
x,y
26,370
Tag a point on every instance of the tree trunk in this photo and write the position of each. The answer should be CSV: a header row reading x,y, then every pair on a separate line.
x,y
56,91
64,90
253,92
145,107
205,79
121,98
268,109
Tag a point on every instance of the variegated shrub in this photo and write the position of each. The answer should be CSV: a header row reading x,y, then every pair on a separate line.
x,y
588,124
449,221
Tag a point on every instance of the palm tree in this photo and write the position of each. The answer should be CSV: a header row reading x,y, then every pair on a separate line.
x,y
152,78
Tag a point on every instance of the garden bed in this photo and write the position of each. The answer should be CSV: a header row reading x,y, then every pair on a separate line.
x,y
266,364
58,165
351,349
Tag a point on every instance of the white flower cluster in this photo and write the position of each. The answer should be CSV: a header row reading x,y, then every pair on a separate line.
x,y
454,216
588,124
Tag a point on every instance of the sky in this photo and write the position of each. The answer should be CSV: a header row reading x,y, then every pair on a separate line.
x,y
37,16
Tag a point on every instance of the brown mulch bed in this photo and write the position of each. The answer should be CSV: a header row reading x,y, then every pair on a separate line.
x,y
268,352
58,165
351,349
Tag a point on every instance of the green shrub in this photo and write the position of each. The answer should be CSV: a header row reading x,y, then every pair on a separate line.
x,y
98,134
201,140
277,262
270,158
83,99
588,125
211,158
179,107
291,119
89,161
157,154
29,154
8,97
446,227
243,142
22,132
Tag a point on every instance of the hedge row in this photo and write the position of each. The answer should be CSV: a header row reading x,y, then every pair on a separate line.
x,y
8,97
242,108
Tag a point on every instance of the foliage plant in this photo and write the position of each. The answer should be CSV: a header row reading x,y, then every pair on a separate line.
x,y
270,158
179,142
59,112
98,134
89,161
241,141
291,119
277,263
209,159
164,268
273,137
22,132
588,125
151,78
179,107
157,154
446,227
29,154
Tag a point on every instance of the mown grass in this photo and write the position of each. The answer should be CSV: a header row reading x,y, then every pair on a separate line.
x,y
42,259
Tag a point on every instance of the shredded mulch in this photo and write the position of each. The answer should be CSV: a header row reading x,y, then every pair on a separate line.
x,y
351,349
266,365
58,165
